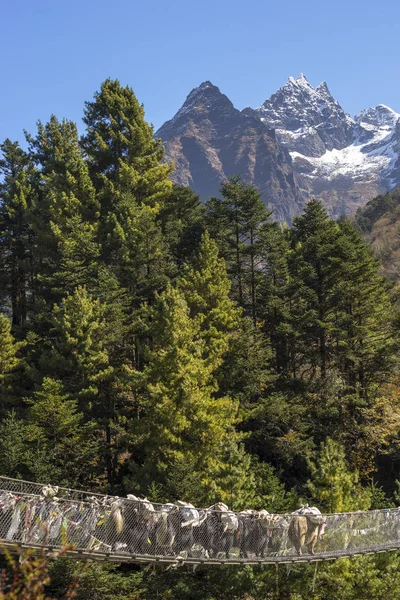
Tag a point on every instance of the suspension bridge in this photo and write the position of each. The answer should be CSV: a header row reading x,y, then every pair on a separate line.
x,y
110,528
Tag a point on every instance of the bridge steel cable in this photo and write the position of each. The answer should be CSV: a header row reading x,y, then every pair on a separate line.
x,y
96,526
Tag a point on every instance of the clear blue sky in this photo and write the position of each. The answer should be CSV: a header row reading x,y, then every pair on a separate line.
x,y
55,53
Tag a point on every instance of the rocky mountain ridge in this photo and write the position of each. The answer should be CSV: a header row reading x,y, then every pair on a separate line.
x,y
209,139
298,144
307,120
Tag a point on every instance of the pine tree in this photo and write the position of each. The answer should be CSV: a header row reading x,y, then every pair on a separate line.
x,y
13,446
236,221
366,346
182,222
10,366
183,419
333,486
275,297
8,350
51,443
16,196
77,346
246,372
83,350
367,336
206,288
132,185
233,347
67,212
315,267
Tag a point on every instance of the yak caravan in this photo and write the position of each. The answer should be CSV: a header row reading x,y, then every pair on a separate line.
x,y
132,529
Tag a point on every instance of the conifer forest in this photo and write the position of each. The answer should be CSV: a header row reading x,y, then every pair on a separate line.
x,y
157,345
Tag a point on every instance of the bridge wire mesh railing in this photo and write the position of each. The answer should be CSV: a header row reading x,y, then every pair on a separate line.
x,y
126,529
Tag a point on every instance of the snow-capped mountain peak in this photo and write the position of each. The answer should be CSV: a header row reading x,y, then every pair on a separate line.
x,y
329,149
323,89
380,116
307,119
301,82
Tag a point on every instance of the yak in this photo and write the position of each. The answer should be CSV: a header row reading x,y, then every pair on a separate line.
x,y
218,530
262,533
305,529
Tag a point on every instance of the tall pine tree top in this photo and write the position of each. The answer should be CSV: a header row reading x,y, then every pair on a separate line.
x,y
119,143
132,185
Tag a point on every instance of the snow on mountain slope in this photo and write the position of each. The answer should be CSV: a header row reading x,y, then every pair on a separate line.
x,y
372,153
307,120
343,160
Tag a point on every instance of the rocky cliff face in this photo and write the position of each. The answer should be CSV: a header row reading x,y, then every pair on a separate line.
x,y
298,144
307,120
209,139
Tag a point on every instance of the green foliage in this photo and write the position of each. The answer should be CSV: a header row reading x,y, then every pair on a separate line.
x,y
181,217
279,433
8,349
9,362
29,578
315,267
246,373
65,220
52,443
333,486
12,446
183,418
206,288
378,221
375,209
276,296
366,577
366,341
15,230
131,184
236,221
80,335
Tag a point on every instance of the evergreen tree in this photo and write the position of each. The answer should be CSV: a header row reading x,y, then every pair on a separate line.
x,y
9,361
236,222
83,349
333,486
206,288
8,349
279,432
276,297
367,337
13,446
67,212
16,196
183,419
246,372
60,448
132,184
315,267
76,349
182,222
51,443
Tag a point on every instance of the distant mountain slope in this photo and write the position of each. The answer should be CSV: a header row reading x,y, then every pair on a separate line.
x,y
298,144
209,140
379,221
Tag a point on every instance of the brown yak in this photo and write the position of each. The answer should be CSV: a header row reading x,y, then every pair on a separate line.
x,y
305,528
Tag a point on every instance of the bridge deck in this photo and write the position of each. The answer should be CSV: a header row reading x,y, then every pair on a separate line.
x,y
116,529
